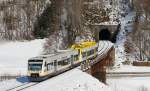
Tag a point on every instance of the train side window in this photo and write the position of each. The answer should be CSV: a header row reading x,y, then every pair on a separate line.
x,y
68,60
84,54
88,53
50,66
72,58
76,58
92,52
64,62
59,62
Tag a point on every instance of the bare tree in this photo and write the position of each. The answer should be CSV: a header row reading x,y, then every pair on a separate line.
x,y
18,17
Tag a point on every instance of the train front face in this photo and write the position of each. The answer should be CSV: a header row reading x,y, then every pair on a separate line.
x,y
35,70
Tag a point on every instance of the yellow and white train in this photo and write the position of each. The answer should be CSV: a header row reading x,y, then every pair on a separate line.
x,y
45,66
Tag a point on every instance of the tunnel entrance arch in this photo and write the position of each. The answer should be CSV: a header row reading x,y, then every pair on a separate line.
x,y
104,31
104,34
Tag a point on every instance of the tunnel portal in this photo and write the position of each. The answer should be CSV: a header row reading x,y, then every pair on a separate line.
x,y
104,34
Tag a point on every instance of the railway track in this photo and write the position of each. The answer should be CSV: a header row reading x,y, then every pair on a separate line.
x,y
22,86
127,74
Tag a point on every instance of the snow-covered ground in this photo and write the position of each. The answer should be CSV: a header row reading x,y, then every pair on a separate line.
x,y
14,55
129,68
5,85
74,80
129,84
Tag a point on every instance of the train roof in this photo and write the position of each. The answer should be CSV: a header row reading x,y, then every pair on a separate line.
x,y
84,45
59,55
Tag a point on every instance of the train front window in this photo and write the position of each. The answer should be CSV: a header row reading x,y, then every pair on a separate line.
x,y
35,67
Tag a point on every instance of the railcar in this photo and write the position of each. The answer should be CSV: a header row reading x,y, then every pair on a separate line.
x,y
45,66
86,50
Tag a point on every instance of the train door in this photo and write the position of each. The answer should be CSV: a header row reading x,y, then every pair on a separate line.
x,y
55,65
72,59
80,55
45,66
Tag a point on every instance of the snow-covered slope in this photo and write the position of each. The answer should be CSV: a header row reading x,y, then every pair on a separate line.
x,y
130,84
74,80
121,38
14,55
8,84
129,68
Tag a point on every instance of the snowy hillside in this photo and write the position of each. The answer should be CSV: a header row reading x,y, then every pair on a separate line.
x,y
125,15
129,84
14,55
121,38
74,80
18,18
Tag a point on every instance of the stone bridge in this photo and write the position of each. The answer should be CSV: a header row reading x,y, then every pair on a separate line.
x,y
105,58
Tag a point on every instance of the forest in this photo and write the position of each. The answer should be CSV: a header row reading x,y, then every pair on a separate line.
x,y
63,22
